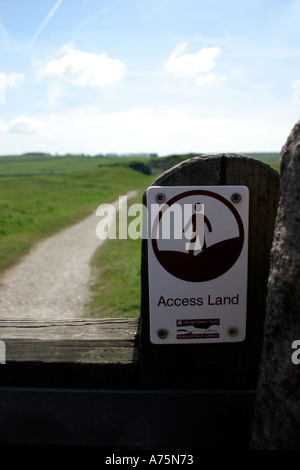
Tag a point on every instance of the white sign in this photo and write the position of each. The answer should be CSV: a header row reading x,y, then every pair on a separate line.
x,y
197,261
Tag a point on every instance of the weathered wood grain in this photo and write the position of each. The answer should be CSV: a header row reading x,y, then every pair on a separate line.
x,y
230,365
80,352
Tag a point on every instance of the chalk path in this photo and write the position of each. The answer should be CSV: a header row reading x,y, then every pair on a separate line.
x,y
52,281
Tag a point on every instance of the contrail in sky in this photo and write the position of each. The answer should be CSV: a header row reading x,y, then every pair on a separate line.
x,y
46,20
92,18
4,34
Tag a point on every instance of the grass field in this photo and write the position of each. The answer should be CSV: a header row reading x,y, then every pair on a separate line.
x,y
36,206
40,195
51,165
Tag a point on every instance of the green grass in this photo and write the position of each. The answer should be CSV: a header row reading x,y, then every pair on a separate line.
x,y
271,158
30,164
117,273
35,207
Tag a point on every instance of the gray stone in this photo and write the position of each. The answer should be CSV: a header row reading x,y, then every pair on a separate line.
x,y
277,413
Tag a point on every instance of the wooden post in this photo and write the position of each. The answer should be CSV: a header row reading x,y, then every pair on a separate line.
x,y
218,365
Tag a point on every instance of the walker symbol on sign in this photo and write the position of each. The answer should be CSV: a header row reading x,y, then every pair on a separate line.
x,y
207,261
197,220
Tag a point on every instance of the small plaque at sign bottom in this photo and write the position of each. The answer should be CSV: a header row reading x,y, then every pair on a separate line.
x,y
197,262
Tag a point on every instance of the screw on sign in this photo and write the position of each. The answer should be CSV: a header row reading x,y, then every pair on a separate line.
x,y
233,331
236,197
162,334
197,262
160,198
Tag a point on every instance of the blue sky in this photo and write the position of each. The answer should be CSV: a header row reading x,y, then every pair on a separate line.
x,y
164,76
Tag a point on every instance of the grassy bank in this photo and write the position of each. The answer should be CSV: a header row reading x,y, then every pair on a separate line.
x,y
117,270
35,207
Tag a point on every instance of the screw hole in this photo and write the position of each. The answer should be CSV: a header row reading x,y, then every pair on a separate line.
x,y
162,334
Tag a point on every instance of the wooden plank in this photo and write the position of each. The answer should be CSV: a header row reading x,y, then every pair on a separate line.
x,y
231,365
75,329
80,352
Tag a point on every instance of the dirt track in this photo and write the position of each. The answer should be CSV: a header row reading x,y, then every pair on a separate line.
x,y
53,280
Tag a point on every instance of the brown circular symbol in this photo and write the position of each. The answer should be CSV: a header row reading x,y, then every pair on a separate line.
x,y
212,261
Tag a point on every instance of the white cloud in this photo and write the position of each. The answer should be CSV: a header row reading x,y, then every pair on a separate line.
x,y
22,125
206,79
182,65
12,80
173,130
192,67
84,69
